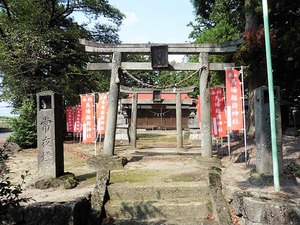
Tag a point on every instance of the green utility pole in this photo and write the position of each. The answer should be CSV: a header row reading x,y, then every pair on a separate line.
x,y
271,97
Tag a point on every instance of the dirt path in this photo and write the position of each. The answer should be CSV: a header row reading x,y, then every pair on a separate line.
x,y
235,174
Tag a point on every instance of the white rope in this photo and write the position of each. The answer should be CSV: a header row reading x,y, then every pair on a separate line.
x,y
159,114
155,86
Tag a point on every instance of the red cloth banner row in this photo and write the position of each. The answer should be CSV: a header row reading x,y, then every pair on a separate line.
x,y
102,107
88,117
83,118
77,120
73,119
218,115
234,105
233,109
70,119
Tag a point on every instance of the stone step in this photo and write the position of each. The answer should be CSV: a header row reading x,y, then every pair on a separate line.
x,y
161,221
190,209
134,191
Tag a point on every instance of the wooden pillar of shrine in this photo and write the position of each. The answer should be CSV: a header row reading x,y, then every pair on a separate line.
x,y
179,121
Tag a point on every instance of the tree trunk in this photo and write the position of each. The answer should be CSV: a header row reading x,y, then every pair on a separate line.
x,y
257,77
255,80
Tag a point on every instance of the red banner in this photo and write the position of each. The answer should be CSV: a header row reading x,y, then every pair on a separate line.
x,y
77,120
70,119
198,109
88,118
234,100
102,107
218,116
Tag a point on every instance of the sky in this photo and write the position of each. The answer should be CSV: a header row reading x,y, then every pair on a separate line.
x,y
155,21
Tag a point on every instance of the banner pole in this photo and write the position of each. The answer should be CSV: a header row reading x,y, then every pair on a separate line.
x,y
244,114
228,140
271,97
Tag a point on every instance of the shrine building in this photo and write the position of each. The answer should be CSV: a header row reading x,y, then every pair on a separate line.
x,y
157,110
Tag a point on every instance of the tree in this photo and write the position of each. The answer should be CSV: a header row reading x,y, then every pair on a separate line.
x,y
39,49
245,16
24,126
285,20
210,12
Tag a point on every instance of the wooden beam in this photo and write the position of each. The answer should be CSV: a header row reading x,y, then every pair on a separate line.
x,y
130,90
185,48
146,66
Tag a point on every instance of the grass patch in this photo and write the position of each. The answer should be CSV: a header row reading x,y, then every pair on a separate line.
x,y
72,161
157,136
87,179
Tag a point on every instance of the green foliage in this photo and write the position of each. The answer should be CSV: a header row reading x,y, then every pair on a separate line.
x,y
40,49
210,12
293,168
285,20
246,19
4,122
24,126
221,32
9,193
179,79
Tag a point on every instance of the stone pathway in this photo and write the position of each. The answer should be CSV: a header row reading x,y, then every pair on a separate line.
x,y
161,186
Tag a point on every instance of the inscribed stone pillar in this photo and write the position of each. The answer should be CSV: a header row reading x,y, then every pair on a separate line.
x,y
133,121
205,127
264,162
50,134
110,134
178,121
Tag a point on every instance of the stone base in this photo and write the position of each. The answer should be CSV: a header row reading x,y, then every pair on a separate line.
x,y
59,213
194,136
122,133
258,179
257,210
68,181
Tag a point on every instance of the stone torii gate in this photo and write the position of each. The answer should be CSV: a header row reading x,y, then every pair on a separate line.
x,y
159,55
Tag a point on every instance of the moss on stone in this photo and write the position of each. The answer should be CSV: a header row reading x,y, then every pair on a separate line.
x,y
68,181
132,176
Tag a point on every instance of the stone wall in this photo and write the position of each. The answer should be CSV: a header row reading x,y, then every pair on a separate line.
x,y
76,212
258,211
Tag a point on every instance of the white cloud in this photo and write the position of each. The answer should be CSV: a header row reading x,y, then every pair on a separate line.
x,y
131,18
177,58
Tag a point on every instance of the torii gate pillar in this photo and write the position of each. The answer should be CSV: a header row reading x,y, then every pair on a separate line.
x,y
110,133
133,134
205,126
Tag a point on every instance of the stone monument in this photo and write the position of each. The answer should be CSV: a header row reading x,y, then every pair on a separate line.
x,y
122,131
50,134
194,128
264,163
